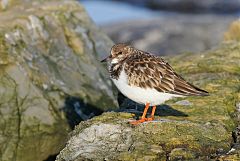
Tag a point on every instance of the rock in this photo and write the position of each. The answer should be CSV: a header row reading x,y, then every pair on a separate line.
x,y
171,34
234,152
181,154
191,6
184,103
233,35
49,58
204,131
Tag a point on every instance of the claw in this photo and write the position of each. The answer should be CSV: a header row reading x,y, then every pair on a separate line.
x,y
136,122
144,119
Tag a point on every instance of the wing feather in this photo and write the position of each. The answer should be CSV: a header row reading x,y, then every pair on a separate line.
x,y
149,71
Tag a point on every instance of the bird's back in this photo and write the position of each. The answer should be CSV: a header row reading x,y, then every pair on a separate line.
x,y
152,72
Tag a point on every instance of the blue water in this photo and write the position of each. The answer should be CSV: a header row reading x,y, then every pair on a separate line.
x,y
104,11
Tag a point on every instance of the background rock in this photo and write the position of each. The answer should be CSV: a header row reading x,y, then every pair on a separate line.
x,y
49,70
191,6
204,133
171,33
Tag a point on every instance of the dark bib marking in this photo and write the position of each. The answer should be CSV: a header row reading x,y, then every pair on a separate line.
x,y
115,70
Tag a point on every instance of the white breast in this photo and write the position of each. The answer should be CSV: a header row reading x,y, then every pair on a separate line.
x,y
141,95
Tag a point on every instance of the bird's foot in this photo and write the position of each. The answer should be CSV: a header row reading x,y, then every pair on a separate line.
x,y
136,122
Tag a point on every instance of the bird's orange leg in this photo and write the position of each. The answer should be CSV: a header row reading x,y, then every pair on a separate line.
x,y
152,114
145,111
143,118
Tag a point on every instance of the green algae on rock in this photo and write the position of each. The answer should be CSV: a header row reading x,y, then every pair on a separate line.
x,y
200,135
48,52
231,36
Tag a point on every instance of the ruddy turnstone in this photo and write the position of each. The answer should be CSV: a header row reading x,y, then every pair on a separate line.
x,y
146,78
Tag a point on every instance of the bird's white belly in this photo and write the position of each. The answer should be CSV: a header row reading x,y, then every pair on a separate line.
x,y
141,95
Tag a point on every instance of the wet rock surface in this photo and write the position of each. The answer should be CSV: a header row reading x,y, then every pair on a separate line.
x,y
204,132
49,52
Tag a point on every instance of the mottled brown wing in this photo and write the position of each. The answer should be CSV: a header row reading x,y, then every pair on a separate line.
x,y
149,71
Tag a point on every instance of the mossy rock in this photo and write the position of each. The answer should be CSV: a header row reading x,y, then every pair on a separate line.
x,y
49,54
201,133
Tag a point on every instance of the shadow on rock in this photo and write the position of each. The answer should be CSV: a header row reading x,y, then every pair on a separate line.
x,y
166,110
77,110
127,105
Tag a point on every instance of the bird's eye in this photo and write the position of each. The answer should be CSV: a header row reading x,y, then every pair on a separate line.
x,y
120,53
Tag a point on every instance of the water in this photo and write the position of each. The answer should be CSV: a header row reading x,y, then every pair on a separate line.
x,y
104,11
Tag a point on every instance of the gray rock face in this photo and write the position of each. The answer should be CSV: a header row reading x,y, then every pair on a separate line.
x,y
171,34
49,53
99,140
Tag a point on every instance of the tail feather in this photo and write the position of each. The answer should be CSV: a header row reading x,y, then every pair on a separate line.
x,y
185,88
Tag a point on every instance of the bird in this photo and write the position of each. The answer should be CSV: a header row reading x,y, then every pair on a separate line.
x,y
146,78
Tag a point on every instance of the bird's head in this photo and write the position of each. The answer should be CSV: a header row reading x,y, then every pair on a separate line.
x,y
119,52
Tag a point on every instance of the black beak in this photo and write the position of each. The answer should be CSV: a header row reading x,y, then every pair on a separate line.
x,y
106,59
